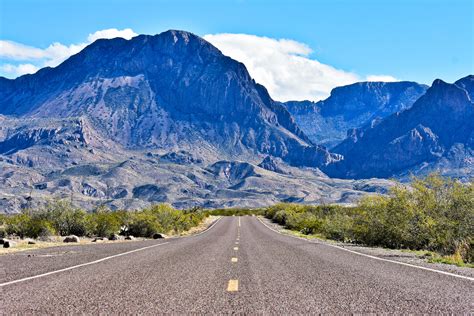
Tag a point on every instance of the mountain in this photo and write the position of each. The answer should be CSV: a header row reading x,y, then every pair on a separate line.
x,y
169,91
326,122
435,134
164,118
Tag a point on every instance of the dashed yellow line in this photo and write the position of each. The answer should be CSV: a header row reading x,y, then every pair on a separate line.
x,y
236,248
234,259
236,242
233,286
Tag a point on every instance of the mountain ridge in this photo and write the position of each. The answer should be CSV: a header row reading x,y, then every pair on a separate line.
x,y
424,133
174,78
352,106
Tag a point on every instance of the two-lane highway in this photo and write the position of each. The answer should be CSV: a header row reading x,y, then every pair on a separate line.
x,y
238,266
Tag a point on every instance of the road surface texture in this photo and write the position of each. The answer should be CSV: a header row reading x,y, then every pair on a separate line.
x,y
237,266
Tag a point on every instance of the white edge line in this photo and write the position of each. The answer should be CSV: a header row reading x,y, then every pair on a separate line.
x,y
79,265
103,259
372,257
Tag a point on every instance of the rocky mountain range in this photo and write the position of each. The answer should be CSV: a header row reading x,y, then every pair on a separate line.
x,y
326,122
169,118
170,91
435,134
165,118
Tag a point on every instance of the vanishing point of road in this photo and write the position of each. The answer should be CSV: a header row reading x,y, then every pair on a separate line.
x,y
237,266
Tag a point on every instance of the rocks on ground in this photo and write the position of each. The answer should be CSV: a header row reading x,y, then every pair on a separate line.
x,y
31,242
159,236
114,237
71,238
8,243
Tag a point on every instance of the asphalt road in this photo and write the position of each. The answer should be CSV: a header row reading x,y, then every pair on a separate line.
x,y
232,268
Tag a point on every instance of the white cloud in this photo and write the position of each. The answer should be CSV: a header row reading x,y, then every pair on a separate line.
x,y
51,56
111,33
16,51
18,70
284,66
383,78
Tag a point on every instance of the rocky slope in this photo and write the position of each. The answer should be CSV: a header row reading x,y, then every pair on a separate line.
x,y
327,122
43,158
435,134
170,91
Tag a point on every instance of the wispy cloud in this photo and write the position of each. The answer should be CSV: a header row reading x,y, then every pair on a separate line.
x,y
52,56
285,67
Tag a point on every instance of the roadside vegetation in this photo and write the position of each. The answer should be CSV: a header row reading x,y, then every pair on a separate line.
x,y
61,218
434,214
236,211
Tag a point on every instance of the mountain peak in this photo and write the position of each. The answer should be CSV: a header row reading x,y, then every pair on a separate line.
x,y
167,91
467,83
178,35
439,82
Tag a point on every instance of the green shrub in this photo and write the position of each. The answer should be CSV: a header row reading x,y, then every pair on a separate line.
x,y
143,224
433,213
60,217
18,225
40,228
103,223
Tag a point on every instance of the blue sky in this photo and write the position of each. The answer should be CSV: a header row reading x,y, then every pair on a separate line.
x,y
417,40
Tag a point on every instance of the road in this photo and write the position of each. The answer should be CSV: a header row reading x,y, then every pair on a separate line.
x,y
237,266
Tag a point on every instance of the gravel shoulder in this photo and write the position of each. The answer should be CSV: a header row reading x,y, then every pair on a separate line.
x,y
418,258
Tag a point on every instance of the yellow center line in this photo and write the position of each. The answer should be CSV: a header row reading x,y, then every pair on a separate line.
x,y
233,286
239,221
236,248
234,259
